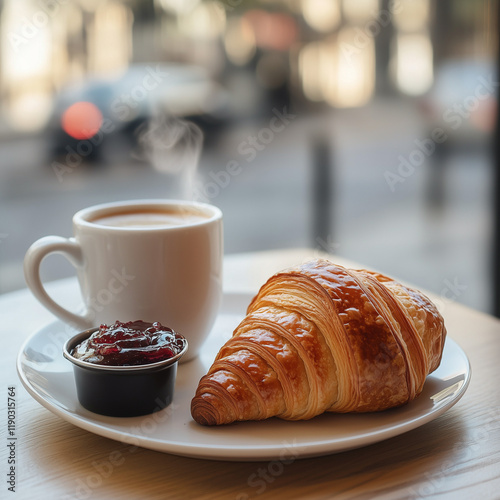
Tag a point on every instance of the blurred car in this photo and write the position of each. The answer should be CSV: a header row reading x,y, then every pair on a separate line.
x,y
459,114
88,114
462,102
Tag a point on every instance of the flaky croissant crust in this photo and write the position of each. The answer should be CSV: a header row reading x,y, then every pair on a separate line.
x,y
320,337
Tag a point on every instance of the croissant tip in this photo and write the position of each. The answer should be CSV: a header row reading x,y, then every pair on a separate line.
x,y
203,418
203,412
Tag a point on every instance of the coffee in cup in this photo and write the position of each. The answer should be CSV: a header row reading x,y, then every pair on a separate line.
x,y
175,216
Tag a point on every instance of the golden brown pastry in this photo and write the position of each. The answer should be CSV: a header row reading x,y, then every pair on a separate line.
x,y
320,337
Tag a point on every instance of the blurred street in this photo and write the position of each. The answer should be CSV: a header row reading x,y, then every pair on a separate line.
x,y
361,129
269,201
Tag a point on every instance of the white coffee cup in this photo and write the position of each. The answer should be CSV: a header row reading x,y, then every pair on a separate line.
x,y
164,267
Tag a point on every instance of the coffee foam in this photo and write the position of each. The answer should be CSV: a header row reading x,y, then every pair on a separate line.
x,y
144,218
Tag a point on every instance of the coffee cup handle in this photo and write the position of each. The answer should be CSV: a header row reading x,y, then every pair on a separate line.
x,y
70,249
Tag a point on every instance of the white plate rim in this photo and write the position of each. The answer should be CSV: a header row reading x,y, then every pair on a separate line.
x,y
247,453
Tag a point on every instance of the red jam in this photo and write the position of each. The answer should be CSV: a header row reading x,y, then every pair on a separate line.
x,y
130,344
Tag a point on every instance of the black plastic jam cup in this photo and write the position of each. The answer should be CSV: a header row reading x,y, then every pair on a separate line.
x,y
122,391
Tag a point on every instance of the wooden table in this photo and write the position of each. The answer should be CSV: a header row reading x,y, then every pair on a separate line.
x,y
455,456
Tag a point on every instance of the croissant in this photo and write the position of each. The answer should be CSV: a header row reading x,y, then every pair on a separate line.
x,y
320,337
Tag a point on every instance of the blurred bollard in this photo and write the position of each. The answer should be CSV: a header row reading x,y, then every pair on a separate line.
x,y
322,171
436,183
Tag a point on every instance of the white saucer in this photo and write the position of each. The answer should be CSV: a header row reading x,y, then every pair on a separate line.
x,y
48,377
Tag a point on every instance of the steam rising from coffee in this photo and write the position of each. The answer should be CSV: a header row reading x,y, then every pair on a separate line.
x,y
173,147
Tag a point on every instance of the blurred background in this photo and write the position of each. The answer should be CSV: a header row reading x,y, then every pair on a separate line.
x,y
358,128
